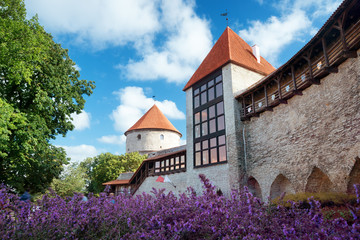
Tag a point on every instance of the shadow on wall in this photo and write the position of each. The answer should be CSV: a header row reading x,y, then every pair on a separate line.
x,y
281,184
354,177
254,187
318,181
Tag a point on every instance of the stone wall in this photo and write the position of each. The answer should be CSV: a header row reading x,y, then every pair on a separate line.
x,y
151,141
312,142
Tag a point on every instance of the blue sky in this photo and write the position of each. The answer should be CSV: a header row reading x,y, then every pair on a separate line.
x,y
138,49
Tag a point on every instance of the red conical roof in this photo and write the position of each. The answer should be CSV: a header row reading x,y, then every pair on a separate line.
x,y
229,48
153,119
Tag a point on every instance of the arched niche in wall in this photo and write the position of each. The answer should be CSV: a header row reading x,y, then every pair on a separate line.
x,y
318,181
354,177
280,185
254,187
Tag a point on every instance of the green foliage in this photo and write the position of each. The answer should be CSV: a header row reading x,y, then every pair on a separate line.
x,y
72,179
325,198
106,167
39,90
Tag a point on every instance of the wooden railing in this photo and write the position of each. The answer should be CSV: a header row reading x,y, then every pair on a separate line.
x,y
319,67
158,166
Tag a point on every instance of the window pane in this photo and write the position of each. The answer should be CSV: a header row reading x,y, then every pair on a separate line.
x,y
196,101
167,162
177,166
213,155
221,140
205,144
157,164
212,127
172,161
167,169
213,142
205,157
222,154
203,98
197,131
197,118
204,129
197,159
211,92
218,78
182,159
171,168
220,108
196,91
204,115
211,83
203,87
197,147
177,160
182,166
211,111
219,90
162,163
221,123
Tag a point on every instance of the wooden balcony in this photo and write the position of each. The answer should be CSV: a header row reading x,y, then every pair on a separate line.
x,y
336,41
160,165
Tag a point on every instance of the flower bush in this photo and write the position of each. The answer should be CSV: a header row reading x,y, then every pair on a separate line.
x,y
165,216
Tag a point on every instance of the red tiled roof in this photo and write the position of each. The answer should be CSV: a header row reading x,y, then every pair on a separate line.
x,y
229,48
153,119
117,182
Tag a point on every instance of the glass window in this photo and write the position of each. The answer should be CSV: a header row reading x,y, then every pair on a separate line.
x,y
211,94
196,102
197,146
221,123
219,90
213,155
221,140
212,126
212,112
182,158
161,136
209,123
218,78
205,157
220,108
203,87
213,142
197,131
197,118
197,159
203,98
204,129
204,115
177,160
211,83
205,144
196,92
222,154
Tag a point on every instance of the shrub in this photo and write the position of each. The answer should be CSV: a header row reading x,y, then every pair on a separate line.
x,y
165,216
326,199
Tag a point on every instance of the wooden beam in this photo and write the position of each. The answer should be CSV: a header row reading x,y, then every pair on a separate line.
x,y
253,102
278,80
266,97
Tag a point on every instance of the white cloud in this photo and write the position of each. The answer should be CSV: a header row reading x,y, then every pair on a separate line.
x,y
113,139
295,23
274,34
81,121
168,36
134,104
101,23
187,41
80,152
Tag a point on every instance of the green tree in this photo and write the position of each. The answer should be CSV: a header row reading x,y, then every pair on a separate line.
x,y
72,179
106,167
39,90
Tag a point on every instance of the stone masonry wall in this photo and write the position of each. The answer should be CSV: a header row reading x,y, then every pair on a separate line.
x,y
319,129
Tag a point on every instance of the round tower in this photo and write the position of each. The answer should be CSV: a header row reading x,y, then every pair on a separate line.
x,y
152,132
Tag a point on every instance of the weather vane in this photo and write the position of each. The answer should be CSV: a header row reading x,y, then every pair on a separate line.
x,y
225,15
